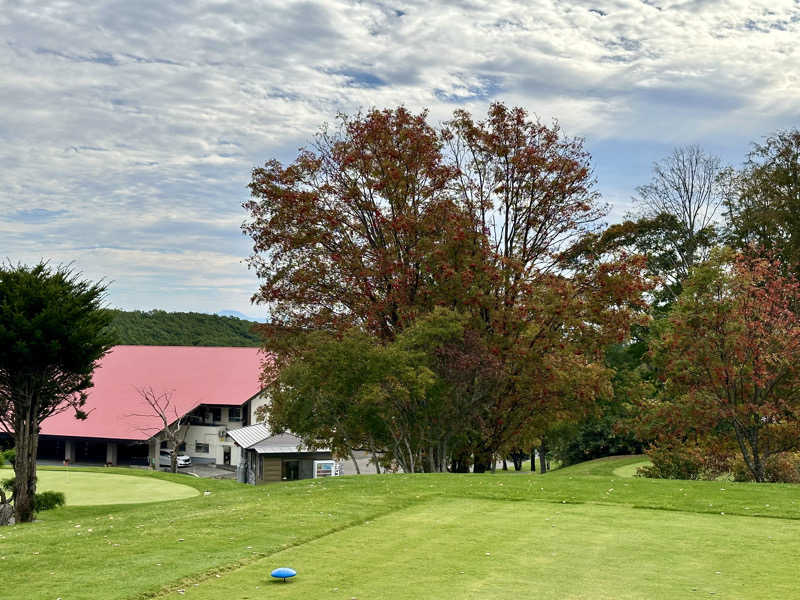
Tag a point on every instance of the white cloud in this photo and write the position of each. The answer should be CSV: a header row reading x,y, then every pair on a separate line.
x,y
131,128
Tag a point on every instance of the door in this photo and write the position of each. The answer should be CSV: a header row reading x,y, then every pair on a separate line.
x,y
226,455
291,470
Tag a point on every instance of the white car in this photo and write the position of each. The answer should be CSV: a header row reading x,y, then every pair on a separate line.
x,y
165,461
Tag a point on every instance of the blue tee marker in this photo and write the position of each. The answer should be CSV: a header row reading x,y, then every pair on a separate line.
x,y
284,573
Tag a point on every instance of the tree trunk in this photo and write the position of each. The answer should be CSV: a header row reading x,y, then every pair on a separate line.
x,y
26,440
483,458
533,460
377,464
6,514
6,510
748,444
505,465
355,462
517,457
460,463
542,458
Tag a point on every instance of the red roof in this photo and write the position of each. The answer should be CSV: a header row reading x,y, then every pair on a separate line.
x,y
194,375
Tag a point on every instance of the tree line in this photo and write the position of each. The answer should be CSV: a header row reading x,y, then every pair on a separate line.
x,y
446,295
161,328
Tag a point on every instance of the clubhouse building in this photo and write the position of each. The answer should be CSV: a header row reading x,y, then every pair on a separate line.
x,y
215,389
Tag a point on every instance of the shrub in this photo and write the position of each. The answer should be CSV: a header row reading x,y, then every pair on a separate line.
x,y
48,500
8,456
675,462
783,467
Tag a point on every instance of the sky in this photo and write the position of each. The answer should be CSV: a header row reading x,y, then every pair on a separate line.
x,y
129,129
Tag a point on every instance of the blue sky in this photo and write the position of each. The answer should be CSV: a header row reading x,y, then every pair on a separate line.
x,y
129,129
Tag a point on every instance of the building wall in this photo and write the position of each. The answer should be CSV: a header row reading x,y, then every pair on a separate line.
x,y
255,404
207,443
269,468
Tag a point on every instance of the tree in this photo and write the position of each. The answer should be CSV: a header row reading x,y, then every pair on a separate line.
x,y
688,186
317,395
730,357
763,207
386,219
53,332
173,426
360,230
530,193
437,377
414,400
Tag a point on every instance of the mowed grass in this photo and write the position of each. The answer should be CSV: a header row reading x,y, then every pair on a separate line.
x,y
580,532
91,489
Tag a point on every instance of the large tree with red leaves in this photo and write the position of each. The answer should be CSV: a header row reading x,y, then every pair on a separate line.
x,y
730,354
361,230
386,218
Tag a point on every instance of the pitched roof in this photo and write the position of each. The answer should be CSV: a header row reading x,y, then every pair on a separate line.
x,y
250,435
194,375
283,443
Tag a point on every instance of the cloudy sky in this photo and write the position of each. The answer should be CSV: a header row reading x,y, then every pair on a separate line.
x,y
129,129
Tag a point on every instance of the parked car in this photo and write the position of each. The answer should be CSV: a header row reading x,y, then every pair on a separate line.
x,y
165,461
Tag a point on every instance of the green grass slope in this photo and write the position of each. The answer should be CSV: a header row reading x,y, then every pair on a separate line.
x,y
580,532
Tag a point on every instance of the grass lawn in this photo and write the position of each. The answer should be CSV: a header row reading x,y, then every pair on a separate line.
x,y
580,532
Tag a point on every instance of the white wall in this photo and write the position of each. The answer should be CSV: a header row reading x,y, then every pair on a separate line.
x,y
210,435
256,403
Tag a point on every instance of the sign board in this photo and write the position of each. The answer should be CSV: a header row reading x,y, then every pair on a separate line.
x,y
324,468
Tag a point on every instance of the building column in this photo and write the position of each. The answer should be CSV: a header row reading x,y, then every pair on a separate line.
x,y
155,447
111,453
69,450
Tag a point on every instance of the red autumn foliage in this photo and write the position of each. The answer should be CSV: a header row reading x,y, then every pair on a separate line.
x,y
730,354
387,218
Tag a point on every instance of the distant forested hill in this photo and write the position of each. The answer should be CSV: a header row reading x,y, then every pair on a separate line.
x,y
161,328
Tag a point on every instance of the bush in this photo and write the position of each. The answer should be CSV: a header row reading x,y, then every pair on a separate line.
x,y
8,456
676,462
48,500
783,467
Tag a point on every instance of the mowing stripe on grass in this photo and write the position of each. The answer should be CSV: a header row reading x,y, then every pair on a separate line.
x,y
486,549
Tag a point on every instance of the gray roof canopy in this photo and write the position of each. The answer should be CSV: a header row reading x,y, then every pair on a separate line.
x,y
259,438
283,443
248,436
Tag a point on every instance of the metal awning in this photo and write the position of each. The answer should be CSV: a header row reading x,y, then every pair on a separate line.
x,y
251,435
284,443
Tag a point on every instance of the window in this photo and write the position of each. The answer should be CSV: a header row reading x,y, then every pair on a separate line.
x,y
216,414
235,413
201,448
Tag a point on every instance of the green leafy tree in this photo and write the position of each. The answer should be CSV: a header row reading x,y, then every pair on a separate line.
x,y
763,205
53,332
318,395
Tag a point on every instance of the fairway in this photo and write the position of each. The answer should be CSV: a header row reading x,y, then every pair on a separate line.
x,y
93,489
583,532
454,548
